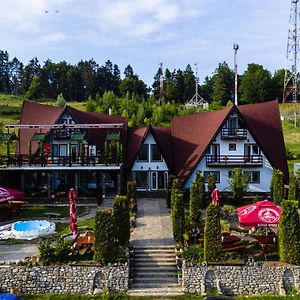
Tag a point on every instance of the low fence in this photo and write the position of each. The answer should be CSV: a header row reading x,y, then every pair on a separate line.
x,y
251,279
64,279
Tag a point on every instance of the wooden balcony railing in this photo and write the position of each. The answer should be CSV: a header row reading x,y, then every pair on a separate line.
x,y
234,160
234,133
43,161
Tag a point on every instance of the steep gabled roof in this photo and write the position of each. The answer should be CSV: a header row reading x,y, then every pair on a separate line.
x,y
191,135
135,138
35,113
263,121
163,137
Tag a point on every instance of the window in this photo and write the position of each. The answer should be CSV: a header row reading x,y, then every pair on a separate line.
x,y
155,153
232,147
141,179
216,174
143,154
230,174
254,176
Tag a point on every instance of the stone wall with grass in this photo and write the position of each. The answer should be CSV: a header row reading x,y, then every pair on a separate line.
x,y
63,279
254,278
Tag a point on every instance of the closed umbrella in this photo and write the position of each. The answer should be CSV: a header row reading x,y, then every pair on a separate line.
x,y
73,209
215,197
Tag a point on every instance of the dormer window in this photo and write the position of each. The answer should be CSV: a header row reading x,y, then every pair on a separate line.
x,y
143,154
155,153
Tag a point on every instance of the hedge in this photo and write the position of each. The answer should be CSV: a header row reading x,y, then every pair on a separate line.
x,y
132,196
169,190
104,244
121,219
212,234
289,233
276,189
178,217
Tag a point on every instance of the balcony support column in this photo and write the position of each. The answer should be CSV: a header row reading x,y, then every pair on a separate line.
x,y
103,183
49,184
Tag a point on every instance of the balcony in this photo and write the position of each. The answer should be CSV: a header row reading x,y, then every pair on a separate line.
x,y
25,161
234,161
234,134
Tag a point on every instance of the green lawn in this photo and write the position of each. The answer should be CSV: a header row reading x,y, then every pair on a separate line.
x,y
38,211
64,228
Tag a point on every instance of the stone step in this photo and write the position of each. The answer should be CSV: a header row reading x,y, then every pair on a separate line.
x,y
154,248
155,275
160,265
155,281
154,255
158,292
156,269
155,260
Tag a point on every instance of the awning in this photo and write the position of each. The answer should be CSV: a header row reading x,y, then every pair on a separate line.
x,y
39,137
77,137
9,194
8,137
113,136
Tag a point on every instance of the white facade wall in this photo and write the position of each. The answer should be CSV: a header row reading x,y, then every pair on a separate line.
x,y
156,171
154,166
265,171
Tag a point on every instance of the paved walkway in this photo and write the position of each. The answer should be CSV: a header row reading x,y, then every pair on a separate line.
x,y
16,252
153,224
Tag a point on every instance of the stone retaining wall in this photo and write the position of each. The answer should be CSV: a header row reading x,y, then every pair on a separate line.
x,y
240,280
64,279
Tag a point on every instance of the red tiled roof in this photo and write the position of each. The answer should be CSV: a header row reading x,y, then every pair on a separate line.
x,y
35,113
263,120
164,139
191,136
135,137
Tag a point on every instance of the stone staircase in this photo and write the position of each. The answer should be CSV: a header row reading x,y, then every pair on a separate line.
x,y
153,272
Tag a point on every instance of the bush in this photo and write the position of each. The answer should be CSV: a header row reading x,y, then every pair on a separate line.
x,y
178,217
289,233
132,196
169,190
293,187
60,102
194,253
104,244
121,219
58,252
276,189
238,183
197,198
211,184
212,234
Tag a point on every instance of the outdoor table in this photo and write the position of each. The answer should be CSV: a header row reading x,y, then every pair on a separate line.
x,y
52,214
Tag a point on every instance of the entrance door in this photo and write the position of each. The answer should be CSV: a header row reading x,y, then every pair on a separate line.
x,y
154,181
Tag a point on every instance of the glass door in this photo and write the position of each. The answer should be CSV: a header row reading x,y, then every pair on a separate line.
x,y
154,181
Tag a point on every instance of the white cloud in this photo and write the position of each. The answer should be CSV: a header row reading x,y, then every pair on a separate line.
x,y
54,37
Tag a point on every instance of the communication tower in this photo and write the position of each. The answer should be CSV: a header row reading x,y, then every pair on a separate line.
x,y
291,78
235,49
197,100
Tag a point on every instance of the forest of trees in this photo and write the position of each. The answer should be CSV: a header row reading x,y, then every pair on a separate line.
x,y
89,80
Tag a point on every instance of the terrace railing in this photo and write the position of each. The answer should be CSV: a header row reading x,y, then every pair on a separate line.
x,y
234,160
43,161
234,133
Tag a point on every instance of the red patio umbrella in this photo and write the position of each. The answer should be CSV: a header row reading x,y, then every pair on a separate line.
x,y
215,196
73,208
260,214
9,194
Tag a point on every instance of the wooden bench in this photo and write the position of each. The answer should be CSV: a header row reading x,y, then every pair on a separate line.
x,y
84,242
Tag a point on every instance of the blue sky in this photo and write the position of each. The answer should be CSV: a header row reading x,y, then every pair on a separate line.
x,y
144,33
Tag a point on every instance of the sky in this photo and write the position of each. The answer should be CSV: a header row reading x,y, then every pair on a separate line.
x,y
144,33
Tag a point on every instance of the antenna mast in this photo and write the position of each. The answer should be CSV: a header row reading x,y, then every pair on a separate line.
x,y
291,74
235,49
197,100
161,82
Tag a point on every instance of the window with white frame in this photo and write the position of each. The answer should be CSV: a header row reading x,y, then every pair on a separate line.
x,y
253,176
215,173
